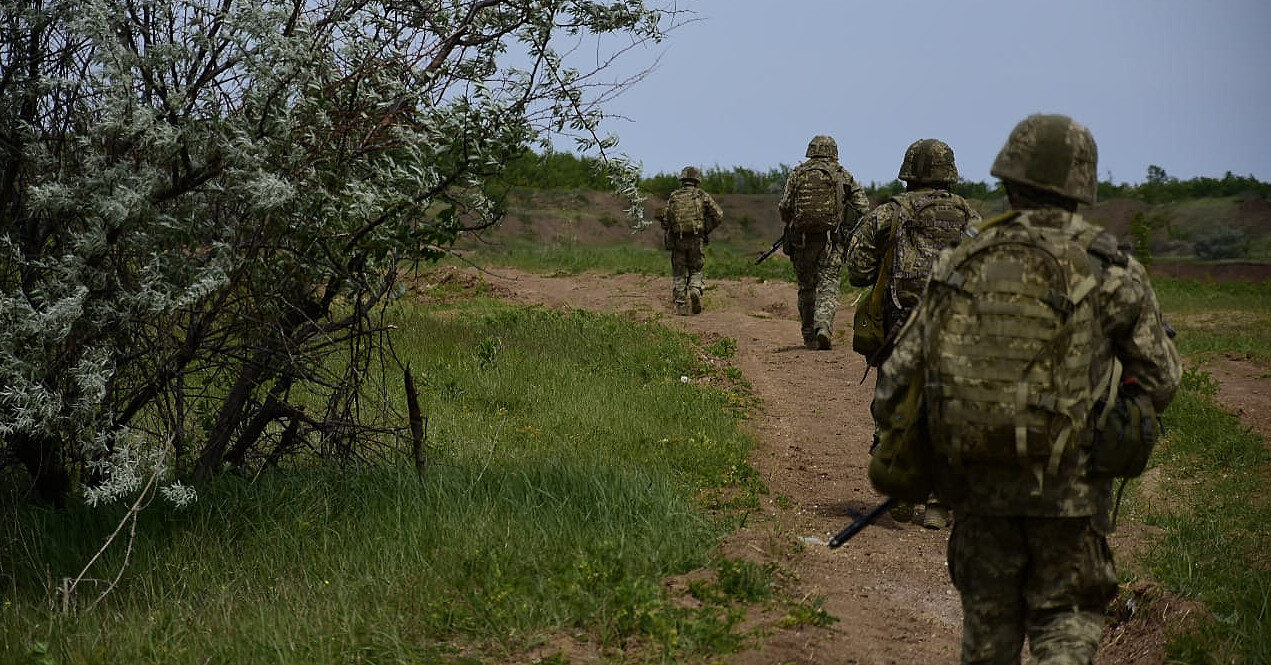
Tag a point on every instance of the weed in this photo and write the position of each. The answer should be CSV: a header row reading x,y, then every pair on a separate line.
x,y
809,612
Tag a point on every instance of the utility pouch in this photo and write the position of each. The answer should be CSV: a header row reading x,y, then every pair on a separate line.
x,y
1125,434
902,463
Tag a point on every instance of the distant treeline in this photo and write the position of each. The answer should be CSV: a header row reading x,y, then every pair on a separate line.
x,y
562,170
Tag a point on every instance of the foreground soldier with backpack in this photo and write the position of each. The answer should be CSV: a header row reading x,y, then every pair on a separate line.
x,y
1028,380
687,221
893,249
820,205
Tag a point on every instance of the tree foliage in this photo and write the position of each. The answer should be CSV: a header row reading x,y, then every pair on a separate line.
x,y
204,205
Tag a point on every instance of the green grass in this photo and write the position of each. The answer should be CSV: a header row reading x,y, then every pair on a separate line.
x,y
572,471
1211,487
1214,318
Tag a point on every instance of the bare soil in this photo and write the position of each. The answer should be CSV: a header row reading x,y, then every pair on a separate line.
x,y
889,587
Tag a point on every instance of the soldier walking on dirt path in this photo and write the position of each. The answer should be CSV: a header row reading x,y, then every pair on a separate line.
x,y
687,221
1040,358
821,204
895,245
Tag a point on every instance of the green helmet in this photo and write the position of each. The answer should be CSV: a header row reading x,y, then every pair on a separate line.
x,y
1053,154
690,174
823,146
929,160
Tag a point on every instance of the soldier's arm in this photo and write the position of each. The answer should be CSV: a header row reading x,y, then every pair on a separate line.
x,y
856,197
714,213
1137,329
786,206
865,249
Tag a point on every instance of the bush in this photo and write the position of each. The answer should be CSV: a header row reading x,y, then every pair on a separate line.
x,y
1222,244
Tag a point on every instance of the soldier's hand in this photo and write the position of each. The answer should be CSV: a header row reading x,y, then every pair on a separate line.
x,y
706,239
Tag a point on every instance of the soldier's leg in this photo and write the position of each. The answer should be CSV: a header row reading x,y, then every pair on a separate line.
x,y
829,264
679,277
696,282
805,273
1072,579
987,561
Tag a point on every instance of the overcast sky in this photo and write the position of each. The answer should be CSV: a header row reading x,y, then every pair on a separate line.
x,y
1184,85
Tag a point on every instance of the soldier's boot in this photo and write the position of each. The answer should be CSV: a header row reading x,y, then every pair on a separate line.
x,y
823,339
695,300
682,308
936,516
902,512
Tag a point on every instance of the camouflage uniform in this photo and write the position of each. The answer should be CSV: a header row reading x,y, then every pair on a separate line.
x,y
687,259
818,257
1028,553
928,169
927,183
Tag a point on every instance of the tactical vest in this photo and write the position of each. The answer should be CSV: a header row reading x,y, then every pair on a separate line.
x,y
686,211
1009,346
818,198
928,224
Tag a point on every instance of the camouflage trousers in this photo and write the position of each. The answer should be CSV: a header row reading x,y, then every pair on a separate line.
x,y
687,262
817,261
1045,578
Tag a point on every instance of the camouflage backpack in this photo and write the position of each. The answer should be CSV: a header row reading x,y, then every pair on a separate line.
x,y
818,198
1010,344
685,211
927,224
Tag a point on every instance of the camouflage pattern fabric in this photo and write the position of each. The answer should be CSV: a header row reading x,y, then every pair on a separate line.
x,y
857,203
687,259
1045,578
871,240
818,257
1130,320
687,262
1027,552
817,260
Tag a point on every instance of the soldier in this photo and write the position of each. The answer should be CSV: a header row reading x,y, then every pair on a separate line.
x,y
895,245
1022,331
821,203
688,219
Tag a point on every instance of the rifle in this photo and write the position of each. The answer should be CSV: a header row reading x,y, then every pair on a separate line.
x,y
860,523
771,250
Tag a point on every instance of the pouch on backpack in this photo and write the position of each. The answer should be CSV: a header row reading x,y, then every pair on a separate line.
x,y
902,464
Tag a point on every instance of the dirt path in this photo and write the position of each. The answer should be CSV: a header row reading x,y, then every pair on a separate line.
x,y
889,586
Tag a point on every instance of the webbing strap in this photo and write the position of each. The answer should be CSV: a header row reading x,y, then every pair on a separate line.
x,y
1113,378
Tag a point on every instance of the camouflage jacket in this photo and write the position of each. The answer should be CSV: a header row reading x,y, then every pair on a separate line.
x,y
857,203
869,241
1133,332
711,212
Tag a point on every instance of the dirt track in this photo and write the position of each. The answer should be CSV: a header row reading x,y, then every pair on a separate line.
x,y
889,586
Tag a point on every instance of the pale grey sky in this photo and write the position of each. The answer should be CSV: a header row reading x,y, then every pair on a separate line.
x,y
1180,84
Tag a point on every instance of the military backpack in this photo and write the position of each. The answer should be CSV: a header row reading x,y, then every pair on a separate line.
x,y
818,198
686,211
927,224
1009,347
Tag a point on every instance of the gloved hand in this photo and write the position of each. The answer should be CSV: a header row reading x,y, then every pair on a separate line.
x,y
706,239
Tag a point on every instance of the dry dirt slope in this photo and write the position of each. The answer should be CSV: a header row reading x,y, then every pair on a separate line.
x,y
889,587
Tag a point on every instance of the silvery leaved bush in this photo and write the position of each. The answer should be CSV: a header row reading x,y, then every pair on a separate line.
x,y
204,206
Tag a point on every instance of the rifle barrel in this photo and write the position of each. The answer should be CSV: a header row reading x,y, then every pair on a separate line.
x,y
860,523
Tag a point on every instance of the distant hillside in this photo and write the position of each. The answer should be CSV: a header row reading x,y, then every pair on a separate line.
x,y
1173,230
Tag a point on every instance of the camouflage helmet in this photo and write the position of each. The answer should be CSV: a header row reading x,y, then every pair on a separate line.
x,y
823,146
690,174
1052,153
929,160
